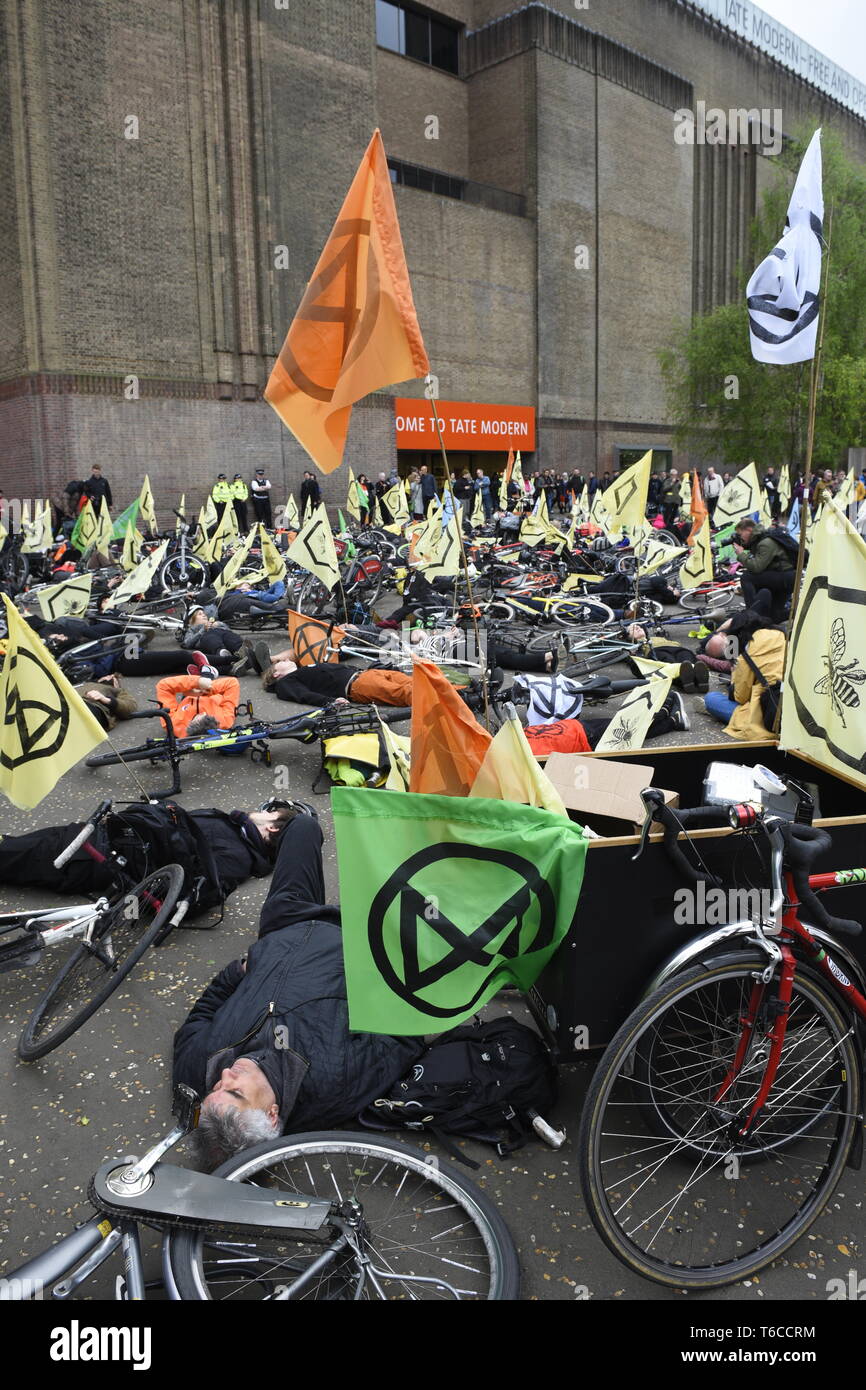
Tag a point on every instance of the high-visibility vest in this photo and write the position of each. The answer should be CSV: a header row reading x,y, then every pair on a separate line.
x,y
221,491
240,490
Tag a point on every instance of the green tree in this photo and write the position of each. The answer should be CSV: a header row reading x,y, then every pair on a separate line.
x,y
727,408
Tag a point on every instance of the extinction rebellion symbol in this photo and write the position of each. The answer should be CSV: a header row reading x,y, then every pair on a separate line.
x,y
35,727
432,946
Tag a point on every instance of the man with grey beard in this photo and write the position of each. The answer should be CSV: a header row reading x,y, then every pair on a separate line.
x,y
297,1066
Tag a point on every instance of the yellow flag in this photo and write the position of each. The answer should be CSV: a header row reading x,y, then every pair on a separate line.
x,y
104,529
426,546
68,599
685,491
399,750
146,509
447,560
141,578
202,545
846,494
47,727
625,499
509,772
208,515
532,531
784,488
226,532
765,516
292,519
824,692
630,724
698,568
230,575
272,558
133,543
395,501
540,511
313,548
477,517
739,498
656,554
517,472
353,506
38,532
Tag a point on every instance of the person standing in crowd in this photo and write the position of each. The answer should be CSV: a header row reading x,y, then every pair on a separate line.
x,y
310,493
482,485
712,490
575,483
654,492
96,488
416,504
670,498
260,488
362,483
822,489
221,494
382,486
771,487
428,487
240,494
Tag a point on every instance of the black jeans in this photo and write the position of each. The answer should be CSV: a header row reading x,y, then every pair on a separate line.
x,y
297,890
165,663
778,583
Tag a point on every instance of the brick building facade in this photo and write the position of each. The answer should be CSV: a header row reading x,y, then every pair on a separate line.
x,y
160,156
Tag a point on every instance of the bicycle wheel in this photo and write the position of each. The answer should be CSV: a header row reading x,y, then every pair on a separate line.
x,y
418,1229
707,596
178,572
670,1187
119,939
314,598
572,612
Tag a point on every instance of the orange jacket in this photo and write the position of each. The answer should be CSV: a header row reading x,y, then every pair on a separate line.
x,y
175,692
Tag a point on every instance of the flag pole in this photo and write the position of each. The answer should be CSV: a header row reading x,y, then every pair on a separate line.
x,y
474,615
807,473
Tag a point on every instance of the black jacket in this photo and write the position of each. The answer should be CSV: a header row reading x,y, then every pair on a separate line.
x,y
291,1003
315,685
94,488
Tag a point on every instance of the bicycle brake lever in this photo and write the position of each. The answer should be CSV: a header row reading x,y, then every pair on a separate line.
x,y
652,798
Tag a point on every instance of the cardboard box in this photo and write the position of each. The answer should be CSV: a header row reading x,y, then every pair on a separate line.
x,y
604,789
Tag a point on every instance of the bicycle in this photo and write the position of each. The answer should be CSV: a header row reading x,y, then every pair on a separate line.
x,y
319,1216
113,934
183,569
724,1111
254,735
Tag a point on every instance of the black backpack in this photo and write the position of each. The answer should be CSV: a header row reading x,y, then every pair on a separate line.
x,y
786,541
484,1081
149,837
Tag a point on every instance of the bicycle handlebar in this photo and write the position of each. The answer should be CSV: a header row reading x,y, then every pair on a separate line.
x,y
801,845
84,834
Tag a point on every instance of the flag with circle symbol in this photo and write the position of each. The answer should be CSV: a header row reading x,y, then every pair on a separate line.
x,y
445,900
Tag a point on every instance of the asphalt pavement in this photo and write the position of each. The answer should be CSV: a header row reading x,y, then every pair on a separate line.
x,y
106,1092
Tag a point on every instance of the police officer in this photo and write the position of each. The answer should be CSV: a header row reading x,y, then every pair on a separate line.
x,y
221,493
240,494
261,491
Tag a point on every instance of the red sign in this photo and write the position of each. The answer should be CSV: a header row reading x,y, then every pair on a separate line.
x,y
466,425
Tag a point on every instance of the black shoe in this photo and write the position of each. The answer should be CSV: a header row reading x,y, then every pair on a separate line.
x,y
261,656
676,708
243,665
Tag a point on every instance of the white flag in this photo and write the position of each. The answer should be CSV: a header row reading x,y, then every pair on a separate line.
x,y
782,295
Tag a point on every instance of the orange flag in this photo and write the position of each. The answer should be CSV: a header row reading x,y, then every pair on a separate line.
x,y
698,507
448,745
356,329
313,641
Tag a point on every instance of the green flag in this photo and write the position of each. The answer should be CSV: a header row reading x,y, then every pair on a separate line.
x,y
129,517
445,900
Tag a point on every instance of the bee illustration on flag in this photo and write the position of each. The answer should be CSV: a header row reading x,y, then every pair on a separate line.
x,y
840,680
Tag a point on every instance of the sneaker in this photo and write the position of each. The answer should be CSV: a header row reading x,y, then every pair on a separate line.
x,y
260,656
243,665
676,708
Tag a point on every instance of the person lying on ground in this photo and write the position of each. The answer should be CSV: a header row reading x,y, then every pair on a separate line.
x,y
108,700
246,599
203,633
201,700
325,681
299,1066
582,735
243,844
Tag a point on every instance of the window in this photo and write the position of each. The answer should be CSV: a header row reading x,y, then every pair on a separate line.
x,y
417,35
